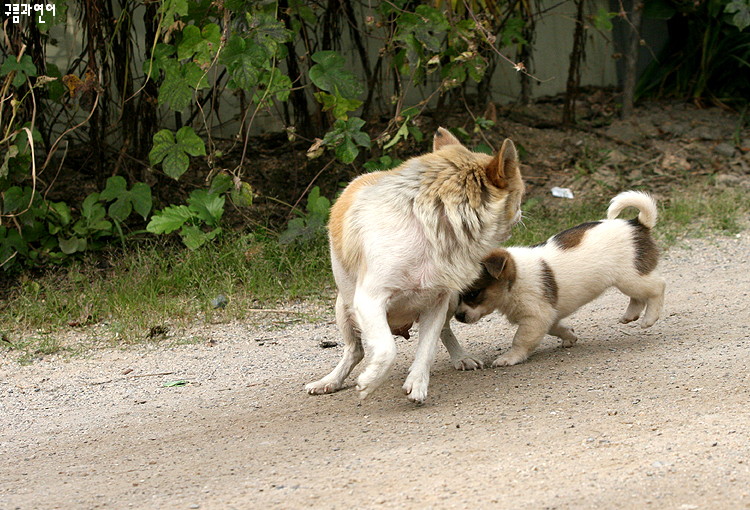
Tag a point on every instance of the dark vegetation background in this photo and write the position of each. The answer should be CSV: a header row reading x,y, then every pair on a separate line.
x,y
130,149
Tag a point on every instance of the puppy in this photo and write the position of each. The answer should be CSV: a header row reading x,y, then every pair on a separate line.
x,y
539,286
403,242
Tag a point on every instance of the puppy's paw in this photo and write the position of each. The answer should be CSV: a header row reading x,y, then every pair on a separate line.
x,y
415,388
322,387
509,358
647,322
468,363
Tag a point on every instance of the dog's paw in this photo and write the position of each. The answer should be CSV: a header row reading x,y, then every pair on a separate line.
x,y
468,363
415,389
627,318
321,387
508,359
569,339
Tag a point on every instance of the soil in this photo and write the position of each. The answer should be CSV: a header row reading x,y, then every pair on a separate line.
x,y
628,418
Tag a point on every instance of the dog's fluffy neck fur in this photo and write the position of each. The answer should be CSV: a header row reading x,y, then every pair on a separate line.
x,y
456,217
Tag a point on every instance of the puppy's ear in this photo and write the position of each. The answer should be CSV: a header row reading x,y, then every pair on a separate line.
x,y
499,264
504,166
443,138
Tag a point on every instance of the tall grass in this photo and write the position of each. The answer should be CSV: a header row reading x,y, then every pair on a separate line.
x,y
127,293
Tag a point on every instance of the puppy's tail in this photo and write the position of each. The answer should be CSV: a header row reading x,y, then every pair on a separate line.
x,y
638,199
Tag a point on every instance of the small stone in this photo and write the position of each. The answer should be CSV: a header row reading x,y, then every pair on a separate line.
x,y
327,344
724,149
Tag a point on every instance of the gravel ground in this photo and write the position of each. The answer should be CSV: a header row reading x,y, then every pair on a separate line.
x,y
625,419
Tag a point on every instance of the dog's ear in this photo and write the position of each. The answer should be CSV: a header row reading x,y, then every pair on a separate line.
x,y
504,166
499,264
443,138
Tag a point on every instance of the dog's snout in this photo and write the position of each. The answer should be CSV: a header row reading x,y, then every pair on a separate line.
x,y
461,316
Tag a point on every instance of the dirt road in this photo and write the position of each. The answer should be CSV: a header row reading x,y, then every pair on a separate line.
x,y
626,419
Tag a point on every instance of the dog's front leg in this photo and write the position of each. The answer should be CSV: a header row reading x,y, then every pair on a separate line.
x,y
430,324
372,318
528,336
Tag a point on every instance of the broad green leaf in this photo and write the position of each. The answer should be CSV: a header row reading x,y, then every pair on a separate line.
x,y
116,186
172,8
169,219
206,206
63,212
140,196
12,152
72,245
120,209
242,196
330,75
222,183
199,44
193,237
180,83
244,59
272,82
741,10
24,68
159,59
173,152
15,199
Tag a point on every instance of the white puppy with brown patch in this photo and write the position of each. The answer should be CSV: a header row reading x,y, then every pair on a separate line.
x,y
537,287
403,242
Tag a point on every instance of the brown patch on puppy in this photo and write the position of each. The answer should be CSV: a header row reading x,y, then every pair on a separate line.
x,y
568,239
500,265
549,284
646,252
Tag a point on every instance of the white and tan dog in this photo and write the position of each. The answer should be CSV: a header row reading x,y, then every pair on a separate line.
x,y
537,287
403,243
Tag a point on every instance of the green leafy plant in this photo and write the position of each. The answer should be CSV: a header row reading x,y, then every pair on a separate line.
x,y
311,223
198,221
173,150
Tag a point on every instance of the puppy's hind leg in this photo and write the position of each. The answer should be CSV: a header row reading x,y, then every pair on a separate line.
x,y
371,314
646,291
430,325
353,353
635,307
655,301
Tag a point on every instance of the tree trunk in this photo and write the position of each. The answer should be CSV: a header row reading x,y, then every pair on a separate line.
x,y
574,71
631,60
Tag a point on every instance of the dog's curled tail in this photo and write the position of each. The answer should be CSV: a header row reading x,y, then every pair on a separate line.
x,y
638,199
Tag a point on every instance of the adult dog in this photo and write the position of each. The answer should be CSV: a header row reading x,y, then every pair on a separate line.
x,y
403,243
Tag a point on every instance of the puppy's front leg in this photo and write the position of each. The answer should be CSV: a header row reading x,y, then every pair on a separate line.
x,y
430,324
371,314
528,336
461,359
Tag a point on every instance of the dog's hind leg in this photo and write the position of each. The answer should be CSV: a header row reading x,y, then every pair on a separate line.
x,y
564,333
461,359
353,353
430,324
372,318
